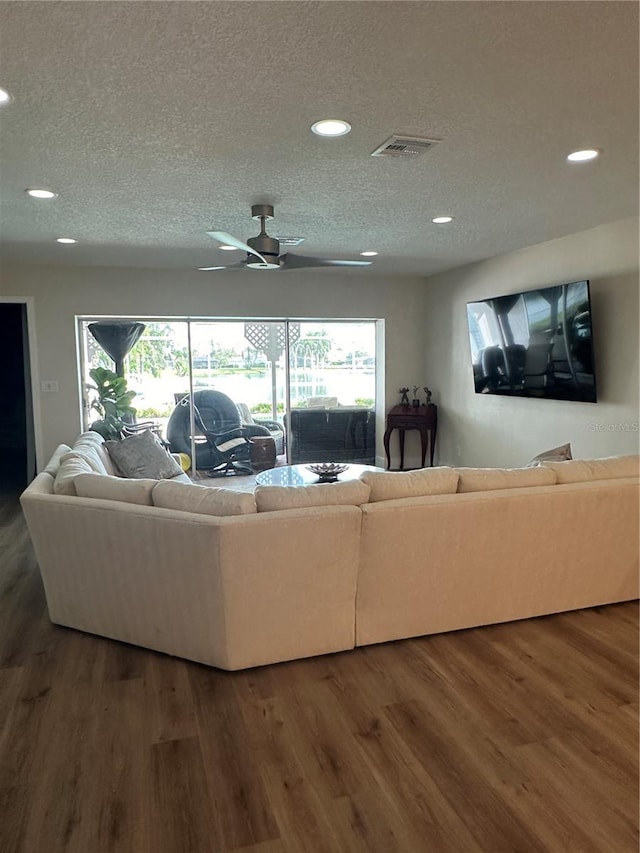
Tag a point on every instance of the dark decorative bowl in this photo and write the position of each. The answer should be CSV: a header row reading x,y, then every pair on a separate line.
x,y
327,471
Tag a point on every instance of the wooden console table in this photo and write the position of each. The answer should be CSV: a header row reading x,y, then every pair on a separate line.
x,y
423,418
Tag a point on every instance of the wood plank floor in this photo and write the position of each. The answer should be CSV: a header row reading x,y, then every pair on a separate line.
x,y
513,738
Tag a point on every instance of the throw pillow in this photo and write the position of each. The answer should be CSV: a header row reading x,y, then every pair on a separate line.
x,y
556,454
388,485
134,491
490,479
206,500
141,456
349,493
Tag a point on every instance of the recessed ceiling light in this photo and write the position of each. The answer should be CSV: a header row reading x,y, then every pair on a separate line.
x,y
368,254
442,220
331,127
41,193
228,248
206,269
65,240
583,156
5,97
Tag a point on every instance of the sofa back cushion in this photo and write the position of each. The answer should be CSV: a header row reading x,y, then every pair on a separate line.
x,y
389,485
321,402
103,455
90,446
347,493
71,464
111,488
142,456
206,500
489,479
54,463
608,468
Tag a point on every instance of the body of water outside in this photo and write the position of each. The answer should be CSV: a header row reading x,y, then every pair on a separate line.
x,y
345,384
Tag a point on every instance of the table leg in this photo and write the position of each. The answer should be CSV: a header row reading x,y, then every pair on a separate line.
x,y
387,436
433,442
401,449
424,440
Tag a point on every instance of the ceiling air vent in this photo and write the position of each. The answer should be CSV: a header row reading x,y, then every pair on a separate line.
x,y
404,146
290,241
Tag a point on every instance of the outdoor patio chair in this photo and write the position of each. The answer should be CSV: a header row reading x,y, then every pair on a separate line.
x,y
222,442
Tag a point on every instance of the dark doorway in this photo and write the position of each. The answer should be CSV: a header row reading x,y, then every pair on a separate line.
x,y
16,419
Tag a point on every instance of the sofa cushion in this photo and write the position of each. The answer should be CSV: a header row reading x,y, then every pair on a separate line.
x,y
488,479
206,500
52,465
348,493
71,464
90,446
321,402
389,485
556,454
142,456
111,488
107,461
607,468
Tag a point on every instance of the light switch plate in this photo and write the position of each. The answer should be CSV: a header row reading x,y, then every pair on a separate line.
x,y
49,385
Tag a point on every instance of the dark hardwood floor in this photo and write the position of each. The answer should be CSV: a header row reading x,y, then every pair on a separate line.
x,y
512,738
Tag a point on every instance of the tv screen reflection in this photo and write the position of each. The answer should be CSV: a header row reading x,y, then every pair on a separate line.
x,y
537,343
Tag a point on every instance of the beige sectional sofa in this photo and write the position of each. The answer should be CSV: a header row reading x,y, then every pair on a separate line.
x,y
235,580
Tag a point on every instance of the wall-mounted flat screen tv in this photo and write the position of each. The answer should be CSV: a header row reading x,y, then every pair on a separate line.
x,y
537,343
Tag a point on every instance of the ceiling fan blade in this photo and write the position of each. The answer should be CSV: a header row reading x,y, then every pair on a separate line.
x,y
230,240
239,265
298,262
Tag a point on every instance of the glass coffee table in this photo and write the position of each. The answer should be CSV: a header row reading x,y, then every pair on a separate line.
x,y
299,475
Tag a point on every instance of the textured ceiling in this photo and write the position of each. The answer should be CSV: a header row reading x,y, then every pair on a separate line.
x,y
158,121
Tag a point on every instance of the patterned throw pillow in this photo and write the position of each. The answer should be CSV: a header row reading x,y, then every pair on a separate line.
x,y
142,456
556,454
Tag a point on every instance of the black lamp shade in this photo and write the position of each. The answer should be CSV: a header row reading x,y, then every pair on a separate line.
x,y
117,339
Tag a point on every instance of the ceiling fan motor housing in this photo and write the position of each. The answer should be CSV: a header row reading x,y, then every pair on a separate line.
x,y
258,211
269,248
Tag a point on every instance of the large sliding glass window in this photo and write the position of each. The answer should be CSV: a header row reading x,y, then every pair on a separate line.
x,y
266,368
156,367
332,392
243,359
333,360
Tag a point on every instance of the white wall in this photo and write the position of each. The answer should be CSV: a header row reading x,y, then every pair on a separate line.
x,y
425,343
60,293
494,431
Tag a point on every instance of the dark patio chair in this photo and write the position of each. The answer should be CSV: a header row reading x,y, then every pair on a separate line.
x,y
222,442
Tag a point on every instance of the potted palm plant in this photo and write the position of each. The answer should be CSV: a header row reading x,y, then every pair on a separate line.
x,y
113,403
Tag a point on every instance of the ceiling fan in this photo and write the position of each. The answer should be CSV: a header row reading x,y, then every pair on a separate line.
x,y
263,252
